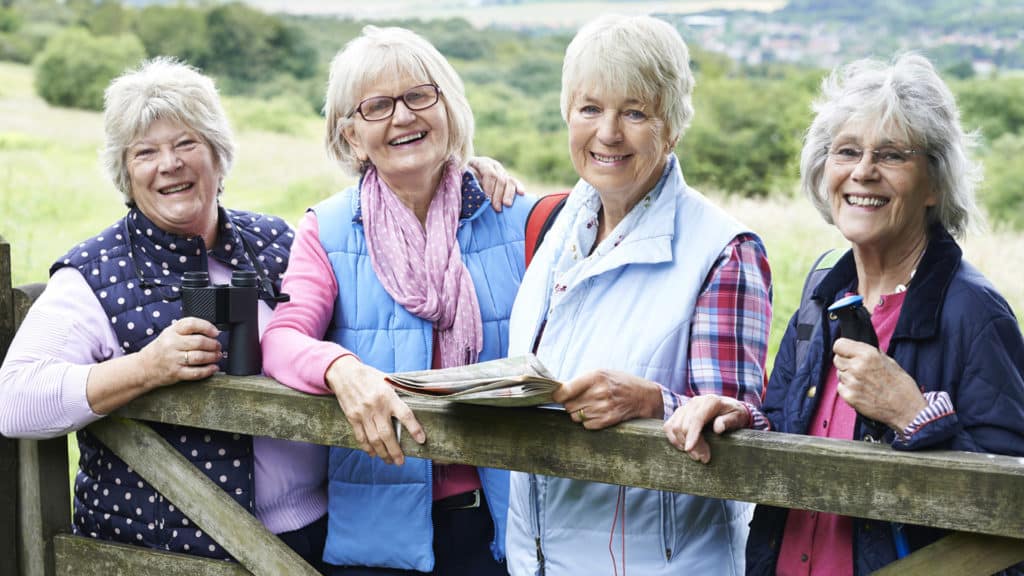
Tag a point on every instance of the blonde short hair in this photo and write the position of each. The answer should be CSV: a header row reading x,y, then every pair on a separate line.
x,y
642,56
161,88
382,53
908,99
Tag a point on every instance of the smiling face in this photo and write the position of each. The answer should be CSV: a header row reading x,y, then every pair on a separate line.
x,y
617,145
174,179
876,205
410,146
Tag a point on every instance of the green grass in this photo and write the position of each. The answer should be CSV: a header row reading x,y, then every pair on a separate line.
x,y
53,193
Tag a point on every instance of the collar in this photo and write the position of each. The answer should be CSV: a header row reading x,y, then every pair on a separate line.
x,y
473,199
925,295
161,258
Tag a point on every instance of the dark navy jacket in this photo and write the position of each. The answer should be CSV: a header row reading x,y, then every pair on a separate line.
x,y
135,269
955,334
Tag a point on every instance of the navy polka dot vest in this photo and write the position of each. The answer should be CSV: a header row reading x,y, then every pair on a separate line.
x,y
135,270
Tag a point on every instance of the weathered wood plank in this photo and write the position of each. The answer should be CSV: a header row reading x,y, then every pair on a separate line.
x,y
7,317
8,506
79,556
239,532
959,554
852,478
44,502
8,447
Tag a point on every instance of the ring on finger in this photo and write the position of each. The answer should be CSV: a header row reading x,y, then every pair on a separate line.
x,y
582,415
187,361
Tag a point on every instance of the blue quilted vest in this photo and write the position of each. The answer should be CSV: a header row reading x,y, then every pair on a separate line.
x,y
380,515
135,270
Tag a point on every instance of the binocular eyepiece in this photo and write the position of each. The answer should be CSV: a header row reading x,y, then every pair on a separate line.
x,y
234,310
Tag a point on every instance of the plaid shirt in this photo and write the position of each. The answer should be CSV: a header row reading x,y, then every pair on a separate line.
x,y
729,332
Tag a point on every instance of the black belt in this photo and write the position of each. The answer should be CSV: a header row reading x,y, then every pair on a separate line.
x,y
464,501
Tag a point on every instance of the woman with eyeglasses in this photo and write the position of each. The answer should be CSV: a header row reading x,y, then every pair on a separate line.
x,y
408,270
886,161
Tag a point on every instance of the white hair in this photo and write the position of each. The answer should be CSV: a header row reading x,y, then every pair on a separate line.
x,y
642,57
161,88
904,98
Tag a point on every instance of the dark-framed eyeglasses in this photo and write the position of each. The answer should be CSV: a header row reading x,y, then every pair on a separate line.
x,y
382,107
889,156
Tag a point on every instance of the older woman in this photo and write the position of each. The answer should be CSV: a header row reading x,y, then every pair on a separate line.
x,y
406,271
885,160
643,295
108,328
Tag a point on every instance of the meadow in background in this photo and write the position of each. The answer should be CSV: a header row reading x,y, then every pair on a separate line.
x,y
53,192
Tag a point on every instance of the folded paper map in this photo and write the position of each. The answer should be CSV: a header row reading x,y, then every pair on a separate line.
x,y
519,381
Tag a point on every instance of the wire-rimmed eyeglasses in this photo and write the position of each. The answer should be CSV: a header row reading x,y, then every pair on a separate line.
x,y
382,107
890,156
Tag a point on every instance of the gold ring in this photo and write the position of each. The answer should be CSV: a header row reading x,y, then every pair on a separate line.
x,y
583,417
187,363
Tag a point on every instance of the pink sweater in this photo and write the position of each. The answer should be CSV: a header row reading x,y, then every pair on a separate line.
x,y
294,351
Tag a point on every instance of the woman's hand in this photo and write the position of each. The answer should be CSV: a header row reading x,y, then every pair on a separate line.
x,y
186,350
369,403
686,426
875,385
500,186
604,398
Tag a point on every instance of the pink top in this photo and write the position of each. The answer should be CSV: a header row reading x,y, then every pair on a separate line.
x,y
818,543
294,351
43,395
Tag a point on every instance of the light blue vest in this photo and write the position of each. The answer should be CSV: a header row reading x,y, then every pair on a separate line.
x,y
380,515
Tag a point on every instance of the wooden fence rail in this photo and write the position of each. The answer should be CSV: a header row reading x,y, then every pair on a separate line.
x,y
981,497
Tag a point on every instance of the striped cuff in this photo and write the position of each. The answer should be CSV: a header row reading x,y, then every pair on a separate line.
x,y
755,418
939,406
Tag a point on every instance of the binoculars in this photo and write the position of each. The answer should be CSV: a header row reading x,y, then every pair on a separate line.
x,y
854,320
233,309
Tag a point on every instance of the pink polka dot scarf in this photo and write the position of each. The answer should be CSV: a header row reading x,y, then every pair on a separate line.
x,y
423,269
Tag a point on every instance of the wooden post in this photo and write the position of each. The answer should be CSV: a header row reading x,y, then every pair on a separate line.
x,y
8,446
45,503
34,500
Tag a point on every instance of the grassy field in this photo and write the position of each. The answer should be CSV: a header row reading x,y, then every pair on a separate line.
x,y
53,193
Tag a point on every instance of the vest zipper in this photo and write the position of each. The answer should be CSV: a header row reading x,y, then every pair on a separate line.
x,y
535,513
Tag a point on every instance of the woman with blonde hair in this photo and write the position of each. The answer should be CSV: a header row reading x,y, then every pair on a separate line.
x,y
408,270
643,295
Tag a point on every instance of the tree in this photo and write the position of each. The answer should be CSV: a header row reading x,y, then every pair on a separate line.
x,y
75,67
1002,193
178,31
250,46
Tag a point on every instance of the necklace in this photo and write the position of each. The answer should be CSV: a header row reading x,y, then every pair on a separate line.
x,y
917,262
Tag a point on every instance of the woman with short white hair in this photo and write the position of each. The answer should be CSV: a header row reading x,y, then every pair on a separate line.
x,y
109,326
643,295
408,270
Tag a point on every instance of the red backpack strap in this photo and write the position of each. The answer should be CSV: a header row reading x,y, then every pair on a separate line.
x,y
539,221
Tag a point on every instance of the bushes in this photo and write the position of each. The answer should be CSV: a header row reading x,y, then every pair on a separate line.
x,y
76,67
1001,192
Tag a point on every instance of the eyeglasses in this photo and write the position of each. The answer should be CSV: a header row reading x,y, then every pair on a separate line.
x,y
382,107
888,156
